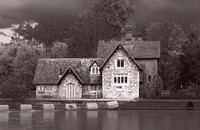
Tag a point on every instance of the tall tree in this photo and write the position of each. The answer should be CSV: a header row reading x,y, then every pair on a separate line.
x,y
171,37
190,59
101,20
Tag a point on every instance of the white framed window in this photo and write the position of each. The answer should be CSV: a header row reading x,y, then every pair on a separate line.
x,y
41,89
120,79
95,70
120,63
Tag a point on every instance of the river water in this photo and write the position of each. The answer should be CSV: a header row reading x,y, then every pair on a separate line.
x,y
101,120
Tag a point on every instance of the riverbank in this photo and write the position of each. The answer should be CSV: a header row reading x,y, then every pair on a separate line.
x,y
142,104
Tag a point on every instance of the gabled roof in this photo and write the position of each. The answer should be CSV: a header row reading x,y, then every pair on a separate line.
x,y
137,49
93,63
69,70
119,46
47,70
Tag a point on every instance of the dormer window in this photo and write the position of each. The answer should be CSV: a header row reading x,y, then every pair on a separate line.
x,y
94,69
120,63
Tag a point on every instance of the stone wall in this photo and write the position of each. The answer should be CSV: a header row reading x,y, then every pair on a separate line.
x,y
59,91
50,91
131,89
92,91
70,78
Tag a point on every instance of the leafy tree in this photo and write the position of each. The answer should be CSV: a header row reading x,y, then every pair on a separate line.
x,y
59,50
190,59
18,63
158,85
101,20
171,37
11,88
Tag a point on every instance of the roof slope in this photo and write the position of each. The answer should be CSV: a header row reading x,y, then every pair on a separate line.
x,y
137,49
129,56
47,70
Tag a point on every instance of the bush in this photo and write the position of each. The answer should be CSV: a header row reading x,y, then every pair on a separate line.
x,y
147,91
152,90
12,89
190,105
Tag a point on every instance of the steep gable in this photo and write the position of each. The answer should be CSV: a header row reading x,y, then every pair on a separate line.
x,y
69,70
119,46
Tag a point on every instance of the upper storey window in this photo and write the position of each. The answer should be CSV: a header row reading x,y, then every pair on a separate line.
x,y
120,63
94,69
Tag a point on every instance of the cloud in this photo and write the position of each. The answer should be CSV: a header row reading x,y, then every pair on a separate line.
x,y
13,3
51,4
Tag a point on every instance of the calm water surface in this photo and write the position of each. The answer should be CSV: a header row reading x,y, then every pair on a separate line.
x,y
101,120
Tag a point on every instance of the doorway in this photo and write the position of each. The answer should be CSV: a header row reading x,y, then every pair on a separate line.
x,y
70,91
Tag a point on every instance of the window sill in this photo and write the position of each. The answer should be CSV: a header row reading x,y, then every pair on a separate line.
x,y
120,84
119,90
40,91
95,74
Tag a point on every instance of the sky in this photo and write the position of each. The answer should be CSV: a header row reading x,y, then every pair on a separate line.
x,y
34,9
74,3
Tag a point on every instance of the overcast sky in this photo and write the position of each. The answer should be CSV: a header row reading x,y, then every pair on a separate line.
x,y
51,3
54,8
47,3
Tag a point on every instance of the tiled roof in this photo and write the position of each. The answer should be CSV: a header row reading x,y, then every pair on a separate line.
x,y
122,48
137,49
47,71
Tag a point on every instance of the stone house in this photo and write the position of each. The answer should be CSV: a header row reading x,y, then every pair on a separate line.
x,y
117,73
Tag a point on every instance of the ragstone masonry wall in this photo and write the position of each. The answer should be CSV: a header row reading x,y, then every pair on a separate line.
x,y
49,91
70,78
59,91
131,89
92,91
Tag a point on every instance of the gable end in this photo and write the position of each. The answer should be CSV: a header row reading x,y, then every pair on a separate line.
x,y
129,56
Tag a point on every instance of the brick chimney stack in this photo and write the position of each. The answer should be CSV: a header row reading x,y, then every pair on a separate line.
x,y
126,33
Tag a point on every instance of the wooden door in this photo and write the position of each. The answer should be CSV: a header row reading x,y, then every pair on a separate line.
x,y
70,91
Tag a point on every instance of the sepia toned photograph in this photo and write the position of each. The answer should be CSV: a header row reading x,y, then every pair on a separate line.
x,y
99,64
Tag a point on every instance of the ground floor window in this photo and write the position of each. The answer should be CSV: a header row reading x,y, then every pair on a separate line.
x,y
41,89
120,78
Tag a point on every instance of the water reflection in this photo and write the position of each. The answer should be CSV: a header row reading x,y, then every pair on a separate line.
x,y
26,119
72,115
92,115
4,118
129,119
93,121
100,120
72,119
111,120
48,116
